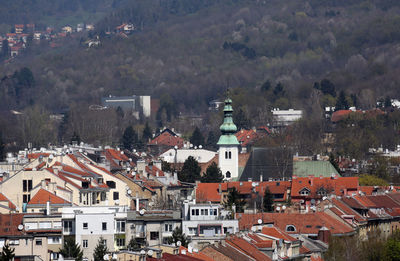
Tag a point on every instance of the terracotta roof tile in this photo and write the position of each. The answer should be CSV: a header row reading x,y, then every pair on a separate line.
x,y
10,204
167,139
42,196
247,247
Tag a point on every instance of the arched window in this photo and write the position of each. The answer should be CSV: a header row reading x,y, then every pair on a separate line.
x,y
228,174
230,155
290,228
226,154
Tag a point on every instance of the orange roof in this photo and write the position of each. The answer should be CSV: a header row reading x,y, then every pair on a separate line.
x,y
42,196
118,155
198,255
208,192
247,247
37,155
246,136
276,233
9,224
167,139
339,115
309,223
332,185
4,198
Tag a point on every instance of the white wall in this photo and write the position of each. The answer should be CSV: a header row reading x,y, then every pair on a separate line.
x,y
232,164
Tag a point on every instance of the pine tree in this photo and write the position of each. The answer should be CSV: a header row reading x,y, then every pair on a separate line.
x,y
129,138
100,251
197,138
213,174
147,133
212,140
234,199
177,235
71,250
190,171
268,201
7,253
341,103
134,244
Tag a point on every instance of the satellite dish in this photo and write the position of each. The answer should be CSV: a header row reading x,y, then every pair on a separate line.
x,y
141,212
20,227
114,256
283,207
106,257
278,208
179,243
259,221
189,197
150,252
51,156
142,252
129,192
253,184
128,169
200,147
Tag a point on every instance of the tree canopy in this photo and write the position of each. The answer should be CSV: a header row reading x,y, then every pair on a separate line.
x,y
71,250
190,171
213,174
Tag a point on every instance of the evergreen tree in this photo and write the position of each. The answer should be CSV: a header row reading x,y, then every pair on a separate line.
x,y
71,250
190,171
75,138
268,201
147,133
327,87
266,86
212,140
213,174
7,253
129,139
388,102
341,103
2,147
100,251
134,244
5,50
234,199
197,138
177,235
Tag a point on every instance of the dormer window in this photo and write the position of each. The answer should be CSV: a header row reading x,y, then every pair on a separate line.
x,y
304,192
290,228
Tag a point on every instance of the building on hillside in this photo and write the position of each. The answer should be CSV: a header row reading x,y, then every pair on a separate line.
x,y
283,118
152,227
228,159
164,141
137,105
206,223
87,225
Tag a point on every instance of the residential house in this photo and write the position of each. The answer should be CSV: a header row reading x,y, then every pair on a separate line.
x,y
207,223
87,225
152,227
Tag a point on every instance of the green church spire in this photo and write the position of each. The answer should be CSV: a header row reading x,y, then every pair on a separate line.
x,y
228,128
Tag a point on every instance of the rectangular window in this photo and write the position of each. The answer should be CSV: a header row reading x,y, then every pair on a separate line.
x,y
85,243
193,212
38,242
26,198
120,242
120,226
192,230
85,225
206,212
197,212
116,195
24,185
68,226
110,184
202,212
154,235
29,185
215,212
104,226
168,227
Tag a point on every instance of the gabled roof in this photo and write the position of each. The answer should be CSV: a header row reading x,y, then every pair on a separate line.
x,y
245,137
37,155
10,204
346,210
316,168
230,252
336,186
42,196
277,233
309,223
9,224
167,139
197,255
247,248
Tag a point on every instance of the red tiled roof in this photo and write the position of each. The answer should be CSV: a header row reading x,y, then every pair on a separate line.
x,y
277,233
167,139
37,155
341,114
348,210
248,248
42,196
10,204
367,190
333,185
309,223
171,257
245,137
9,224
152,170
198,255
